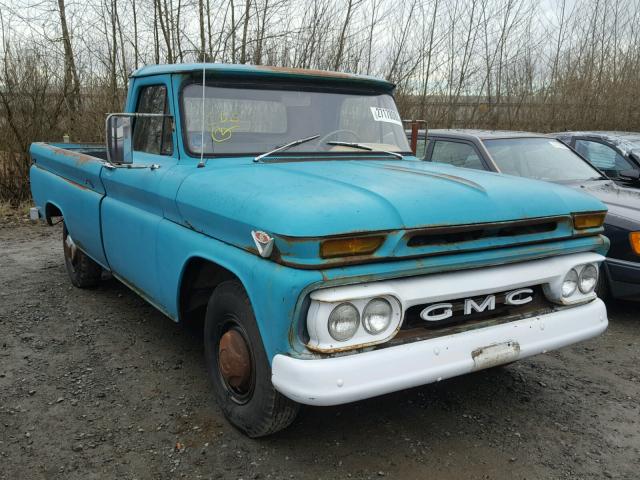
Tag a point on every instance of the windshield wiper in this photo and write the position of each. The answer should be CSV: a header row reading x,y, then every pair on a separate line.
x,y
364,147
285,147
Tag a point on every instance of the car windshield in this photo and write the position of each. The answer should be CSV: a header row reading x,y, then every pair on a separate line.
x,y
254,121
539,158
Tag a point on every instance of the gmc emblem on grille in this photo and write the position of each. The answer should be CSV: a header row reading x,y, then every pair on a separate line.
x,y
442,311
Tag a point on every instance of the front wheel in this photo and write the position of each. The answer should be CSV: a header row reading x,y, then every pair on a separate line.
x,y
83,272
238,365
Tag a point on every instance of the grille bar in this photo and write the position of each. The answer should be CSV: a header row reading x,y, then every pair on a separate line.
x,y
461,234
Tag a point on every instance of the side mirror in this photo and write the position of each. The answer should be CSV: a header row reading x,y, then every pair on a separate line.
x,y
118,135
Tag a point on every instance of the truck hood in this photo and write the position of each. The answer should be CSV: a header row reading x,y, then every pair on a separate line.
x,y
326,198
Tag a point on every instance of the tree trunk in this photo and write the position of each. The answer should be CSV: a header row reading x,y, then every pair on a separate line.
x,y
342,38
71,80
243,53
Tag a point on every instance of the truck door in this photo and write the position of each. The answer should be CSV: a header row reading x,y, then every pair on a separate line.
x,y
133,207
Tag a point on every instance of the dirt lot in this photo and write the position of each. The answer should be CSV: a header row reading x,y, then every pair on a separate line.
x,y
97,384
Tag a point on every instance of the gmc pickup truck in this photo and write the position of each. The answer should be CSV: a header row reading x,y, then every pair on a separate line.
x,y
284,209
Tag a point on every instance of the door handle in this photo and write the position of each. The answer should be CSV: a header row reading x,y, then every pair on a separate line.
x,y
130,166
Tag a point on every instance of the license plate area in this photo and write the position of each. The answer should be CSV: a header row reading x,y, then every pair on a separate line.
x,y
496,354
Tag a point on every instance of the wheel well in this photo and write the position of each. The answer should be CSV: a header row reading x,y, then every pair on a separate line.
x,y
199,280
50,211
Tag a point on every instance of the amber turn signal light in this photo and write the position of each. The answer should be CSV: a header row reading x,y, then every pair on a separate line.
x,y
582,221
348,247
634,239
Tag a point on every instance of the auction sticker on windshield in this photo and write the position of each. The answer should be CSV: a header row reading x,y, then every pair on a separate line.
x,y
386,115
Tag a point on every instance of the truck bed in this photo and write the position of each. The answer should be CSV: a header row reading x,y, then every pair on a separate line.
x,y
65,181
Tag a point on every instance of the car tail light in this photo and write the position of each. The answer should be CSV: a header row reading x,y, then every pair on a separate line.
x,y
634,239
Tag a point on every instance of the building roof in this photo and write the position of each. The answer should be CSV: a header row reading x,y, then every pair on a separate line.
x,y
227,69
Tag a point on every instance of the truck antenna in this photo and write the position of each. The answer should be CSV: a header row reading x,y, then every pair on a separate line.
x,y
202,162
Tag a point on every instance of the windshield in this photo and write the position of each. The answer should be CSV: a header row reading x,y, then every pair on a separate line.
x,y
253,121
539,158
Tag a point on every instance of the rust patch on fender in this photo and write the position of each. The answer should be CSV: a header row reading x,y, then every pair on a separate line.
x,y
80,158
75,184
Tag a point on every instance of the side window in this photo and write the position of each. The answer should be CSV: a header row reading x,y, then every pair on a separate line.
x,y
603,157
457,154
421,148
153,135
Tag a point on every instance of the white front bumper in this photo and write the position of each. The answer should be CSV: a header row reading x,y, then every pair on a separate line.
x,y
337,380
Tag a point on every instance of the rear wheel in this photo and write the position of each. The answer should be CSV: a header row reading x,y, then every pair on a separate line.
x,y
238,365
83,272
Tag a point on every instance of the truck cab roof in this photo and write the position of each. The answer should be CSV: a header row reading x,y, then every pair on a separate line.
x,y
265,71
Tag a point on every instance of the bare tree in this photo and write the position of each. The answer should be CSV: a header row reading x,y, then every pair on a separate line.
x,y
71,80
460,63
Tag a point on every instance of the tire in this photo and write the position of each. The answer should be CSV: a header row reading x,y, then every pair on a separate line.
x,y
248,398
83,272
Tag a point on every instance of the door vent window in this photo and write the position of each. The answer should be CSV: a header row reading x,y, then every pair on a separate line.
x,y
153,135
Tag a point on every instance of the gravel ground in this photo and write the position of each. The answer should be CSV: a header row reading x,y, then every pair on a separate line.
x,y
98,384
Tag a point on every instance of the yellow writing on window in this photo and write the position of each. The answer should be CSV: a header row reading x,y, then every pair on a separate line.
x,y
222,130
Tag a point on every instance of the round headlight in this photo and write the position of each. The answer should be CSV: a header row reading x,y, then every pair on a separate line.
x,y
570,283
376,316
588,278
343,322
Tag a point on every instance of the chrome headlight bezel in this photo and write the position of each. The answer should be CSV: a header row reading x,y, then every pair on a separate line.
x,y
554,289
320,338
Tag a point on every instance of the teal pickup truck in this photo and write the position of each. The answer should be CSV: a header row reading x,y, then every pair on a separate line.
x,y
284,209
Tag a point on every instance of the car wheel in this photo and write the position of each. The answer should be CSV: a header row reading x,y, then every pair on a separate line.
x,y
83,272
238,365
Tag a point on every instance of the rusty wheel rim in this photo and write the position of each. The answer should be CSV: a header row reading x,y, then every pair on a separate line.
x,y
235,363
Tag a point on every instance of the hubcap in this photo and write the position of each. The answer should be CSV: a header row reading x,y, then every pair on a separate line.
x,y
235,361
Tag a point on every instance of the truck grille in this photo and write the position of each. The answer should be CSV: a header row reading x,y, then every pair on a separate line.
x,y
414,328
469,233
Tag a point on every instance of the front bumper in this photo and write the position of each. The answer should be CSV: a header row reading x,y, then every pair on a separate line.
x,y
338,380
624,278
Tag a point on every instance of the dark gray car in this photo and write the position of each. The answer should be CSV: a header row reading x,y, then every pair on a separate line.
x,y
615,153
543,157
